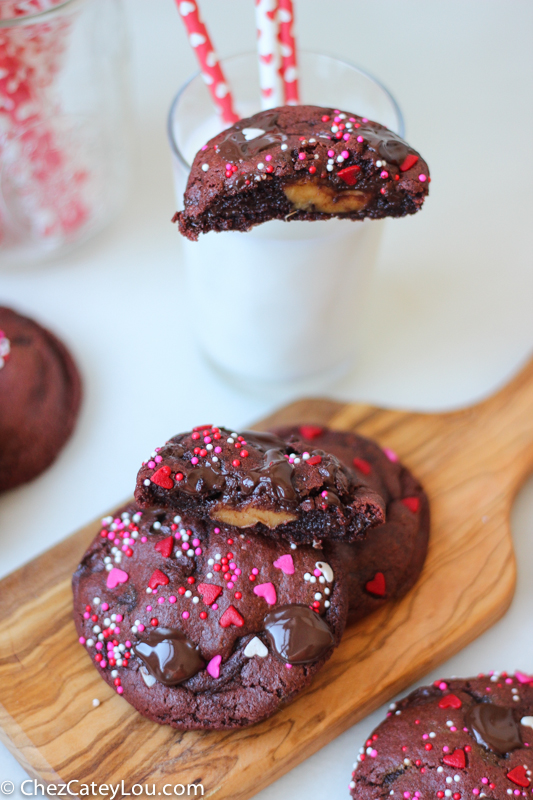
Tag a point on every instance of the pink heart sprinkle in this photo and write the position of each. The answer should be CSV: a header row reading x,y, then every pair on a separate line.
x,y
286,564
267,591
213,667
391,455
115,577
522,678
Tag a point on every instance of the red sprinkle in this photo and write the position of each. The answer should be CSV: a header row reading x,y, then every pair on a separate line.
x,y
311,431
179,476
412,503
158,579
314,460
408,162
165,546
362,465
154,621
236,462
190,579
203,615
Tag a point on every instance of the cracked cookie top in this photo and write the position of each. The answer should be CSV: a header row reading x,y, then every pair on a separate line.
x,y
259,481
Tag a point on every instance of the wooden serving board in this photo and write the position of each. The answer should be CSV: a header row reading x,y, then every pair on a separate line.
x,y
472,463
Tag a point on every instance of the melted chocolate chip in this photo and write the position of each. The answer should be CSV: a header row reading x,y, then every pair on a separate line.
x,y
203,480
235,147
169,656
494,727
297,634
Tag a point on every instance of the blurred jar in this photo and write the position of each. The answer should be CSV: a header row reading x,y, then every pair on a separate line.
x,y
64,107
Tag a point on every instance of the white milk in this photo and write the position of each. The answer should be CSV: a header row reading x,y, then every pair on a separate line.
x,y
280,303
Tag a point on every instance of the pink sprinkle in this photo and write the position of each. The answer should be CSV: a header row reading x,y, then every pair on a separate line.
x,y
360,139
198,551
288,666
301,156
207,440
140,627
103,663
425,736
317,573
230,584
144,539
98,645
120,689
345,154
445,748
127,643
364,119
391,455
324,494
484,780
443,686
204,147
331,153
384,174
475,791
172,599
117,630
373,753
214,606
268,157
228,166
116,542
158,459
185,546
110,535
82,640
194,460
151,464
110,645
346,136
422,177
218,449
232,565
105,607
161,600
86,615
255,571
508,680
237,571
407,795
453,728
185,615
196,542
217,530
336,119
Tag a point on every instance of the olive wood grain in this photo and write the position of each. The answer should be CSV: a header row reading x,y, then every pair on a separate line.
x,y
472,463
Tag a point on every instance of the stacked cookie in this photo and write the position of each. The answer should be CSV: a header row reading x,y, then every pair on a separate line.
x,y
216,596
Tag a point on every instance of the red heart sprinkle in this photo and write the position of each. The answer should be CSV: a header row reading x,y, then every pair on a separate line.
x,y
202,427
362,465
518,775
231,617
412,503
349,175
209,592
314,460
165,546
456,759
311,431
158,579
162,478
377,585
408,162
450,701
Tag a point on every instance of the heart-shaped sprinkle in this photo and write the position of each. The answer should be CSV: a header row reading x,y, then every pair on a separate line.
x,y
527,721
147,678
158,579
314,460
311,431
116,576
349,175
162,478
255,647
362,465
165,546
231,617
450,701
412,503
326,570
456,759
408,162
377,585
285,564
209,592
523,678
213,667
267,591
518,775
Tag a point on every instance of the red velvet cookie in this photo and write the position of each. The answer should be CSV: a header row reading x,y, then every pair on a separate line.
x,y
301,162
259,482
385,564
458,739
40,395
198,629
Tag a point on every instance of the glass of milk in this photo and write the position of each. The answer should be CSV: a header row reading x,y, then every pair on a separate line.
x,y
280,304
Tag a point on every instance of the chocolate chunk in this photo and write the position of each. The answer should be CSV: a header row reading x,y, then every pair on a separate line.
x,y
169,656
298,635
495,727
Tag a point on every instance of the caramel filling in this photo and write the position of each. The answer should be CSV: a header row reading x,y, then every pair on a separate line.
x,y
251,516
312,196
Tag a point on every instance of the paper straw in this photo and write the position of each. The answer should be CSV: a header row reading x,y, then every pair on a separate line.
x,y
209,63
266,12
289,68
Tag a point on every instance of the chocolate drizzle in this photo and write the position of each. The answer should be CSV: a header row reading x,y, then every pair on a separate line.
x,y
297,634
386,144
495,728
235,147
169,656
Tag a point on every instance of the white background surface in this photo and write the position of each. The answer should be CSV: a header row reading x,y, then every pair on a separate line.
x,y
450,316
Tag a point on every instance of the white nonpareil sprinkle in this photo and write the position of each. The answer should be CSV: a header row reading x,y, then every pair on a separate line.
x,y
96,702
146,482
205,167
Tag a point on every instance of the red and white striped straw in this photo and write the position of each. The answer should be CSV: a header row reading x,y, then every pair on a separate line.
x,y
289,67
266,14
209,63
